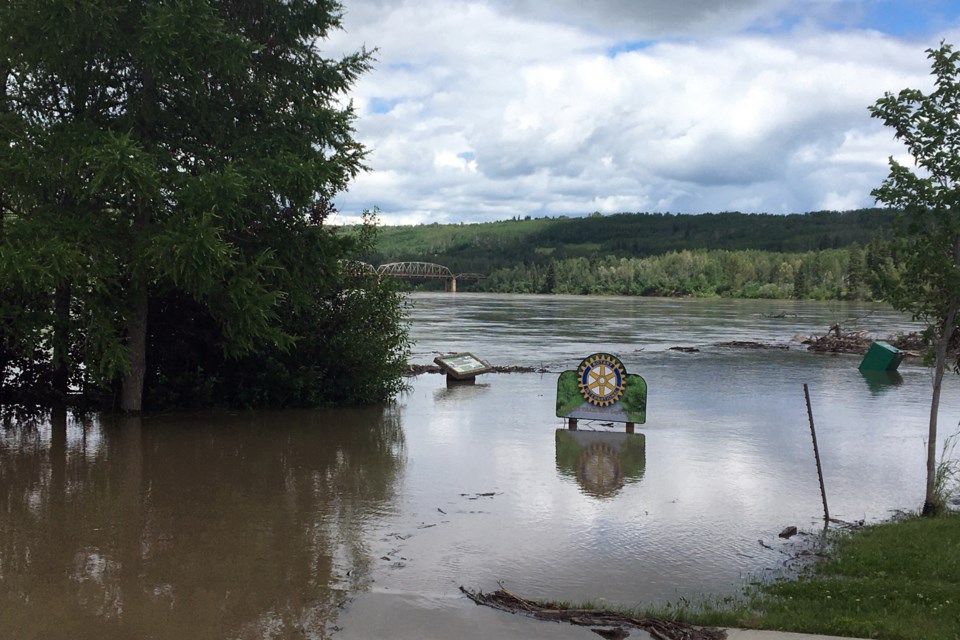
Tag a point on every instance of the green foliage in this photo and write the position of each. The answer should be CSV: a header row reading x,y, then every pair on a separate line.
x,y
490,246
349,332
569,397
927,229
816,255
166,173
745,274
634,399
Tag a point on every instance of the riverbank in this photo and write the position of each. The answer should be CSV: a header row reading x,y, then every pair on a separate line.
x,y
898,580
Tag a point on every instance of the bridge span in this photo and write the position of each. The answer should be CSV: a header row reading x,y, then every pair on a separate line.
x,y
424,271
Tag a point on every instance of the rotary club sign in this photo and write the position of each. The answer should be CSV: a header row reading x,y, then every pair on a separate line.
x,y
601,389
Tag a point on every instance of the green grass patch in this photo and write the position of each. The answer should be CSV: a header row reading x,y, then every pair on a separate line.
x,y
895,581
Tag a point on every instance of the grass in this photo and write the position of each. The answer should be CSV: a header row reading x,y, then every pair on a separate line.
x,y
899,580
894,581
947,478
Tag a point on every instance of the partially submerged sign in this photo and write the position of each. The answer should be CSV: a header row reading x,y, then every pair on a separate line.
x,y
462,367
601,389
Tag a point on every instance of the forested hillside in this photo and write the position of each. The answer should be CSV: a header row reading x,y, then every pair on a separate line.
x,y
490,246
825,254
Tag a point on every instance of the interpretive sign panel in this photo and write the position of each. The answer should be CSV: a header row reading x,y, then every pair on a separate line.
x,y
462,366
601,389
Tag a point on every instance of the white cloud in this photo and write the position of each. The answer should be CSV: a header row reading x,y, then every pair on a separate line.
x,y
485,110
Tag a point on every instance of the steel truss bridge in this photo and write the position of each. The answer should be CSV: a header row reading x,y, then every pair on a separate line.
x,y
420,271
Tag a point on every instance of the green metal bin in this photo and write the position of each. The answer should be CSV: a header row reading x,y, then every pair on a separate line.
x,y
881,357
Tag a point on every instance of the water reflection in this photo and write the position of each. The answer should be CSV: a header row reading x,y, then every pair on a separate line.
x,y
601,461
459,391
244,526
881,381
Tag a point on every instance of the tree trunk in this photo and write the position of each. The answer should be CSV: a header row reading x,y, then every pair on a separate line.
x,y
131,395
61,342
4,108
930,502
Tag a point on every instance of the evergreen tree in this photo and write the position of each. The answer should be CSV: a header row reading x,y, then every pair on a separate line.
x,y
172,158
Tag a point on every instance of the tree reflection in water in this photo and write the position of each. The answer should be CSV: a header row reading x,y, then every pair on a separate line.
x,y
201,526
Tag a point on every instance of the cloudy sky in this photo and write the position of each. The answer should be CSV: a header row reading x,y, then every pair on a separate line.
x,y
481,110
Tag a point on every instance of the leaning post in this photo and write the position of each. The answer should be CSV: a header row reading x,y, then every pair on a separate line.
x,y
816,454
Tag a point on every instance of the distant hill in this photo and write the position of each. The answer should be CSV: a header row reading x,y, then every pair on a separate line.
x,y
490,246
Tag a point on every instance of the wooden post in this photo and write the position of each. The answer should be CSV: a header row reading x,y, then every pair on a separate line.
x,y
572,424
816,454
630,427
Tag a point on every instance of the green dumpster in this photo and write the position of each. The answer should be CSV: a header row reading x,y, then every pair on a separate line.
x,y
881,357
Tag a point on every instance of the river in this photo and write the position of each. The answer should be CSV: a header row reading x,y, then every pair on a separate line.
x,y
361,523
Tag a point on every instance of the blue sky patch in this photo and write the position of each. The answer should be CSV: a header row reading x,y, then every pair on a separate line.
x,y
383,105
626,47
909,19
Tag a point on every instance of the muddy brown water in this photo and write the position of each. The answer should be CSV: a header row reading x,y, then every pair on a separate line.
x,y
362,523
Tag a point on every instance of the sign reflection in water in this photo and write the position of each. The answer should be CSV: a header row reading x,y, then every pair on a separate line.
x,y
601,462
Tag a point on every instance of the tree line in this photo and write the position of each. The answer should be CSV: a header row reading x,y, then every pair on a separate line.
x,y
854,273
832,255
488,247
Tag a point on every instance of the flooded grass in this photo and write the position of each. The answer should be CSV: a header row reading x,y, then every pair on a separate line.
x,y
897,580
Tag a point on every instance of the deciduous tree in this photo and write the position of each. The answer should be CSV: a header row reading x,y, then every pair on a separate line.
x,y
927,229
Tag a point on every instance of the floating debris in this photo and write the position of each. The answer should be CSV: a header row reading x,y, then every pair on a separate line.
x,y
858,342
597,619
742,344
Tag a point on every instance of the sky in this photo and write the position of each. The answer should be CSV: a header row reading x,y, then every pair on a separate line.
x,y
484,110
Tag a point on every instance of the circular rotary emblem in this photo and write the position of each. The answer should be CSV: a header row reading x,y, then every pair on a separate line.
x,y
601,378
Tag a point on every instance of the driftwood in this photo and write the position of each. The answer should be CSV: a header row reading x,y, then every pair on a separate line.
x,y
740,344
609,624
858,342
833,342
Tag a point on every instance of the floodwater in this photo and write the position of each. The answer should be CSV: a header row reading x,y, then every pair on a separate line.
x,y
364,523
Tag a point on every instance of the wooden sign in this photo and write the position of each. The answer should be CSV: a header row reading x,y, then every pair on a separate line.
x,y
601,389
